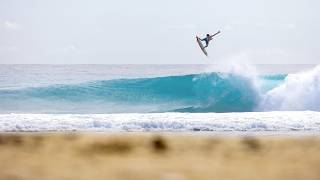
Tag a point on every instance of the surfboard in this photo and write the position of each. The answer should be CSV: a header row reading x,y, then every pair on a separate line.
x,y
201,46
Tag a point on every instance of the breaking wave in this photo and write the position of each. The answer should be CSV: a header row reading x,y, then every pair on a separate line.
x,y
209,92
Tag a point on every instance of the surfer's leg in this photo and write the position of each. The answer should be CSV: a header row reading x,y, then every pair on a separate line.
x,y
207,43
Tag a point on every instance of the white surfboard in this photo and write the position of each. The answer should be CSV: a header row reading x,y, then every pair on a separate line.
x,y
201,46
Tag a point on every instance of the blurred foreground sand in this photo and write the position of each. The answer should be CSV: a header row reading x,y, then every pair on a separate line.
x,y
157,156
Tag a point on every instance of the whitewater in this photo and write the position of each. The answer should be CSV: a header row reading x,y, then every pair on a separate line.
x,y
159,98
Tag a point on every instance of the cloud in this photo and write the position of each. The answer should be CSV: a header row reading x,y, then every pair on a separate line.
x,y
11,25
66,50
8,49
70,48
289,25
184,26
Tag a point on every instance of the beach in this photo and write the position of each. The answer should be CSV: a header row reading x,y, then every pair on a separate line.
x,y
157,156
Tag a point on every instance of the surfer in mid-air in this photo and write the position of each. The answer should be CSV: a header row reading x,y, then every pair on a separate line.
x,y
208,38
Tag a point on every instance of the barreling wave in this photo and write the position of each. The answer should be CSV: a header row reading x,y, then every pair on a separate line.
x,y
210,92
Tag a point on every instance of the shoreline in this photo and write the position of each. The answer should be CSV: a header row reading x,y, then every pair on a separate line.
x,y
217,134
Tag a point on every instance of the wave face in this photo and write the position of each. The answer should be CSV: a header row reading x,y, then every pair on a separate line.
x,y
211,92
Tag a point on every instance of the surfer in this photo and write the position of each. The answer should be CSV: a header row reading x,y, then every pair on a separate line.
x,y
208,38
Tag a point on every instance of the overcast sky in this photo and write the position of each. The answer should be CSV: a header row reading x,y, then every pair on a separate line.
x,y
158,31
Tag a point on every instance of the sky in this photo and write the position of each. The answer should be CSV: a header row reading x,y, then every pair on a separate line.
x,y
158,31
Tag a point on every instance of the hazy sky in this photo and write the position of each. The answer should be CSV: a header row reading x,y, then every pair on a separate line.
x,y
158,31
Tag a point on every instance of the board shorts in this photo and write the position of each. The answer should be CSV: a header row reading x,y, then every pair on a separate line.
x,y
207,42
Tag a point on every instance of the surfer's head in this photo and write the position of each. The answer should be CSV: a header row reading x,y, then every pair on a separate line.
x,y
208,34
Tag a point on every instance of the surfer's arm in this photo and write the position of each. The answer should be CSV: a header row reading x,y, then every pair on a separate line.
x,y
215,34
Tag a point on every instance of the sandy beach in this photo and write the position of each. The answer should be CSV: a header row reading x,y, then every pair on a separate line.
x,y
157,156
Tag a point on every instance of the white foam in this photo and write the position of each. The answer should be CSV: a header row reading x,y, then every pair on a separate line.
x,y
303,121
300,91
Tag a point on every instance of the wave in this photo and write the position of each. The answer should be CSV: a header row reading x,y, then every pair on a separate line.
x,y
208,92
211,92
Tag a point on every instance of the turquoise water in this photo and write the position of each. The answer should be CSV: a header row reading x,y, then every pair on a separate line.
x,y
206,92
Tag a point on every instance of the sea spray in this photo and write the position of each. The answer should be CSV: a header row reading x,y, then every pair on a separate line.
x,y
299,91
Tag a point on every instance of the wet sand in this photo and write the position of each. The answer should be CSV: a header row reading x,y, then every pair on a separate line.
x,y
145,156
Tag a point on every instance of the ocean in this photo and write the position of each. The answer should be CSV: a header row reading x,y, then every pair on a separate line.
x,y
174,98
